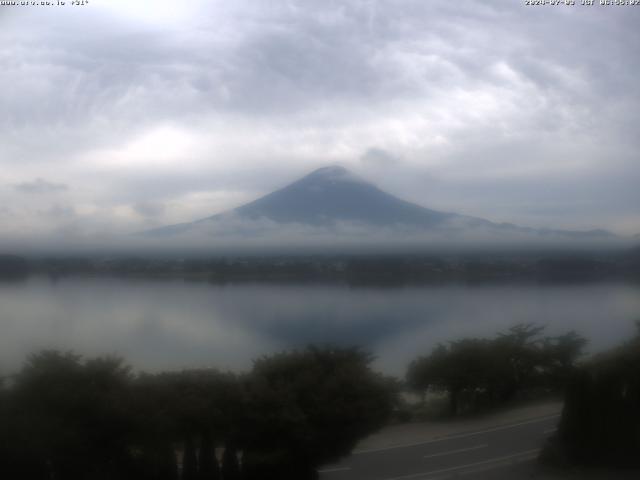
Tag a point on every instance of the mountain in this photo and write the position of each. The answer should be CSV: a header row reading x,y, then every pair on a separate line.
x,y
334,196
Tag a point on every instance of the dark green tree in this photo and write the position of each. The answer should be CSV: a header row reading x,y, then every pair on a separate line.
x,y
73,416
560,356
478,372
462,367
189,460
600,422
193,410
309,407
207,461
230,465
156,427
520,351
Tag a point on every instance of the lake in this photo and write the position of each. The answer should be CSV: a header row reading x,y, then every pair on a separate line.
x,y
173,323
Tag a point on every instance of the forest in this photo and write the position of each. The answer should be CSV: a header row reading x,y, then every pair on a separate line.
x,y
68,417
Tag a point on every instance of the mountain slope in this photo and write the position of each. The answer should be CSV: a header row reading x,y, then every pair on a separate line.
x,y
333,195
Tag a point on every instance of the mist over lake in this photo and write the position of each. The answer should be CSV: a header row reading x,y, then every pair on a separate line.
x,y
174,324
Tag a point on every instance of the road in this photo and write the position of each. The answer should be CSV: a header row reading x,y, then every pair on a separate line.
x,y
506,451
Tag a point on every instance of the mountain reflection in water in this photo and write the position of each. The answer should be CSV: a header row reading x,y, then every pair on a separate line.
x,y
169,324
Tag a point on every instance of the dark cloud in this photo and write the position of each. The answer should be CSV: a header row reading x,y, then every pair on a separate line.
x,y
149,209
379,157
40,186
59,212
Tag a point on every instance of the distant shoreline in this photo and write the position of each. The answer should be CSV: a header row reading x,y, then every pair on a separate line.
x,y
352,270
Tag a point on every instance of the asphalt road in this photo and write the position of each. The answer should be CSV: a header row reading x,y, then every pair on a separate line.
x,y
507,451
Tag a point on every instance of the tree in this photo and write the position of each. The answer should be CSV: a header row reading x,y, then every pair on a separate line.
x,y
230,465
207,461
600,423
156,427
71,416
75,419
521,351
189,460
309,407
496,370
461,367
191,409
561,355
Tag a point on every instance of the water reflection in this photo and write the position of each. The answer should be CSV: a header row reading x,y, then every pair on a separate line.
x,y
166,324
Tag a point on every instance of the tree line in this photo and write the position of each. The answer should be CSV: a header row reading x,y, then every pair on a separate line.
x,y
600,421
478,373
392,269
65,417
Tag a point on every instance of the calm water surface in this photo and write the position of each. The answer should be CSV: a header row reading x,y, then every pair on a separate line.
x,y
168,324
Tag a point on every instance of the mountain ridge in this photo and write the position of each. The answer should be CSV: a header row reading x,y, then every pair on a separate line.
x,y
333,195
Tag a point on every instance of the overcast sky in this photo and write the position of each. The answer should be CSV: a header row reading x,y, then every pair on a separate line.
x,y
122,115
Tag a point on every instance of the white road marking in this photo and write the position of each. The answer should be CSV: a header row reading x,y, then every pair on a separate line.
x,y
455,437
337,469
497,460
459,450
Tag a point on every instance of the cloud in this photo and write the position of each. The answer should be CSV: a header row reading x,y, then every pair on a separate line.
x,y
40,186
232,232
59,212
379,157
227,101
149,209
